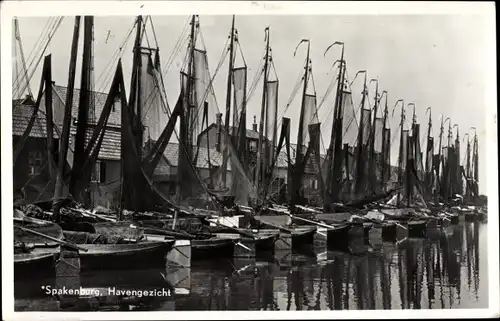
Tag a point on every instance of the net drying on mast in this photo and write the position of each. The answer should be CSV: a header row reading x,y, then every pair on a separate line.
x,y
304,171
202,110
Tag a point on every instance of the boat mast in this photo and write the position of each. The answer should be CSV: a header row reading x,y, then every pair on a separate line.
x,y
411,155
360,164
17,34
385,149
298,158
428,161
440,147
263,112
228,100
83,108
372,175
449,162
400,160
457,173
336,137
64,142
185,146
467,167
476,164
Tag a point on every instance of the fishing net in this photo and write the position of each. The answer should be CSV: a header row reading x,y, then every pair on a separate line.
x,y
386,133
404,152
366,125
150,98
240,85
429,155
270,130
349,123
306,155
379,136
459,180
419,166
232,172
310,117
445,172
203,92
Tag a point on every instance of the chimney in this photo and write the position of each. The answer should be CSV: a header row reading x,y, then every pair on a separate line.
x,y
218,121
254,125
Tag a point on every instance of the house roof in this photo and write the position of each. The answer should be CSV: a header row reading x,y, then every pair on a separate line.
x,y
99,99
21,115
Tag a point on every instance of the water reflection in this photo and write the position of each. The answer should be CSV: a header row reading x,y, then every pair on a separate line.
x,y
443,271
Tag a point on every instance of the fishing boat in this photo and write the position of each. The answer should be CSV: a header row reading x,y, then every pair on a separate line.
x,y
417,228
213,247
34,255
125,255
263,242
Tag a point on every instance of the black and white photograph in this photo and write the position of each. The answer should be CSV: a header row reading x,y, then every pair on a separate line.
x,y
334,159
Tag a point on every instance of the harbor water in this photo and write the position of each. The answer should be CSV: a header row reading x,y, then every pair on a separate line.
x,y
447,269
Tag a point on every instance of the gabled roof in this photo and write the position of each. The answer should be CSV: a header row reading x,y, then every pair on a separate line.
x,y
99,99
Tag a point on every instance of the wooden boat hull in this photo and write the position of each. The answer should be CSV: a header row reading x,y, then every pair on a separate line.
x,y
35,264
453,219
389,231
338,238
265,241
360,230
473,217
124,256
303,237
417,229
212,248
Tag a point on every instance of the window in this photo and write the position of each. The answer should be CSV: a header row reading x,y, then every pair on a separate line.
x,y
99,173
34,162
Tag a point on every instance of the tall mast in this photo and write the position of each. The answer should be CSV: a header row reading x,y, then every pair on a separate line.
x,y
336,137
301,119
191,74
228,100
263,112
438,166
64,142
428,161
372,175
185,146
360,164
229,78
449,162
429,131
456,171
137,89
298,158
467,166
84,104
385,148
400,160
476,164
23,61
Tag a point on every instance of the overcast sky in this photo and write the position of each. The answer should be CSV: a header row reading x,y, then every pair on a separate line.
x,y
430,60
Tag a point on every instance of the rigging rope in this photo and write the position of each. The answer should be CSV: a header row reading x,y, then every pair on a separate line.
x,y
54,30
107,72
35,48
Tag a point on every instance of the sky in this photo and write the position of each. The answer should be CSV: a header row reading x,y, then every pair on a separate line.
x,y
430,60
